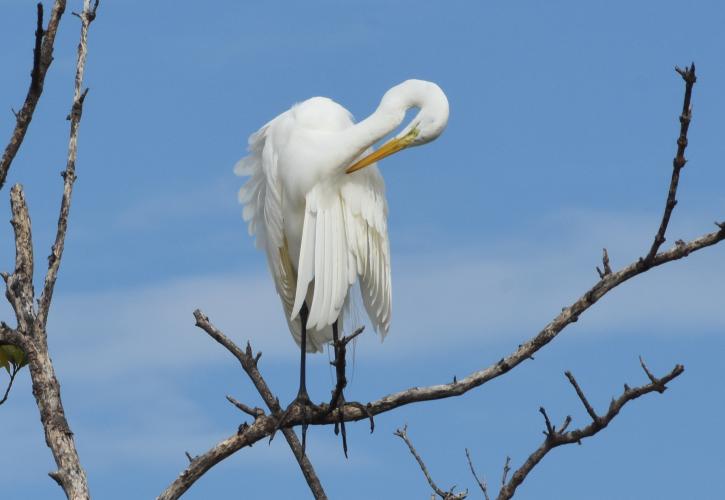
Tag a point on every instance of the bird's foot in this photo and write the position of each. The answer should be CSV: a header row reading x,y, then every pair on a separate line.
x,y
338,404
306,407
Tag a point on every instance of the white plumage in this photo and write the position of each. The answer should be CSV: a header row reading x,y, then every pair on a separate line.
x,y
322,228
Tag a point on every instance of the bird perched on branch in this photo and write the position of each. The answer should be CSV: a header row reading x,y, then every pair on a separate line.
x,y
315,200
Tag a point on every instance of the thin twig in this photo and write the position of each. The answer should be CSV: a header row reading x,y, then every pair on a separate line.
x,y
42,58
651,377
581,395
253,412
605,265
688,75
15,370
349,338
481,482
506,470
446,495
556,438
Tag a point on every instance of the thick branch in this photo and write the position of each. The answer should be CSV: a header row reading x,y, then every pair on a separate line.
x,y
8,336
445,495
58,436
560,437
42,58
247,436
19,285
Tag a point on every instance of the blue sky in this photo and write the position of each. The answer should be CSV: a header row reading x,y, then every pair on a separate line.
x,y
562,131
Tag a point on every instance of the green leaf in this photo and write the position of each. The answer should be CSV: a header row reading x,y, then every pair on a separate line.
x,y
4,359
12,355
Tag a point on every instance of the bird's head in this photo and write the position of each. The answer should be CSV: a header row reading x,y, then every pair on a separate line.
x,y
426,126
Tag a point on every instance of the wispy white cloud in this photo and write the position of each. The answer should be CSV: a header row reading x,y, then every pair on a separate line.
x,y
115,331
507,289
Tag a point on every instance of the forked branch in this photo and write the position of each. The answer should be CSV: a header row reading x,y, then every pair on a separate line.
x,y
444,495
557,437
42,58
30,334
263,426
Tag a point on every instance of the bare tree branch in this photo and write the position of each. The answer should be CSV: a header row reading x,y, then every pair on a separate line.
x,y
338,400
605,265
32,339
13,373
9,336
688,75
69,174
506,470
351,411
481,482
560,437
19,286
248,434
526,350
198,466
581,395
445,495
42,58
253,412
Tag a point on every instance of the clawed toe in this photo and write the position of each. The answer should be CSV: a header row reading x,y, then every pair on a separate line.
x,y
306,406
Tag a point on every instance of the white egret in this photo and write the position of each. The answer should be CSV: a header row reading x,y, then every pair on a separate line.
x,y
321,216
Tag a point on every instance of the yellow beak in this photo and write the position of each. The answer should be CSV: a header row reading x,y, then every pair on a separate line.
x,y
387,149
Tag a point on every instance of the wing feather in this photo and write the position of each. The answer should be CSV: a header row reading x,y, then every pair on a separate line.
x,y
329,268
367,234
262,199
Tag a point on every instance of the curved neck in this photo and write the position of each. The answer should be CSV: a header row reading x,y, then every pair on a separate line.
x,y
386,118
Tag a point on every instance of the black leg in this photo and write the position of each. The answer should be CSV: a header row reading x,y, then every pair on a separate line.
x,y
302,393
303,399
302,396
